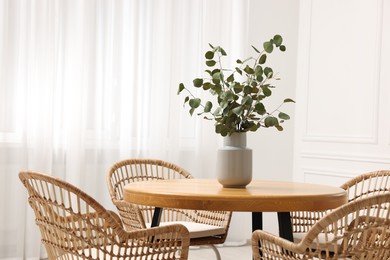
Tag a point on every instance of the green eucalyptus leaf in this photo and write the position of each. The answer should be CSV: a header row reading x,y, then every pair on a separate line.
x,y
209,55
279,127
283,116
247,89
211,46
223,52
259,78
277,40
266,91
197,82
249,70
229,95
217,111
287,100
217,88
217,75
181,88
255,90
239,61
230,78
208,106
263,59
260,109
231,119
207,86
254,128
186,99
215,71
271,121
221,129
268,72
282,48
192,111
268,46
258,70
210,63
238,110
194,102
239,70
247,100
218,128
237,88
216,81
224,132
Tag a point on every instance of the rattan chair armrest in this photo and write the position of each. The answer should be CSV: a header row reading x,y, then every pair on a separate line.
x,y
151,232
116,217
267,242
163,239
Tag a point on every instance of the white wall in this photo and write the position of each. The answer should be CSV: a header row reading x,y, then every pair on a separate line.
x,y
343,90
338,53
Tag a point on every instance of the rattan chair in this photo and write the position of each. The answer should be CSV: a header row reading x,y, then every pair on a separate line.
x,y
359,187
206,227
75,226
357,230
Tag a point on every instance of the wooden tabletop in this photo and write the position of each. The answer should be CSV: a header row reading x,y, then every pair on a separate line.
x,y
258,196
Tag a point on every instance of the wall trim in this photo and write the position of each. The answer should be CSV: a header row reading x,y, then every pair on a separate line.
x,y
332,173
341,139
347,157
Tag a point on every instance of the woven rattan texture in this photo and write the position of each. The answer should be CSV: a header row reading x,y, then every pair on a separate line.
x,y
75,226
357,230
362,186
136,216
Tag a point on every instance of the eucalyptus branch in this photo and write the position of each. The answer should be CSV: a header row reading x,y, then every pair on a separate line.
x,y
239,104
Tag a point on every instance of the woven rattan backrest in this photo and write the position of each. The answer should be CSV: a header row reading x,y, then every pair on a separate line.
x,y
359,187
357,230
361,226
69,219
75,226
367,184
134,170
136,216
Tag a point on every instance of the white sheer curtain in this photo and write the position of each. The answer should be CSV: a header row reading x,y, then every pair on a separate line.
x,y
86,83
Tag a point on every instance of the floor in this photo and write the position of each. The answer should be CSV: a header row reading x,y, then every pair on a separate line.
x,y
227,253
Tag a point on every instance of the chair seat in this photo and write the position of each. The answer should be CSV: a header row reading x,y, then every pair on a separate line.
x,y
197,230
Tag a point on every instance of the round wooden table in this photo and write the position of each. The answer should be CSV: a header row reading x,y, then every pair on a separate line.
x,y
259,196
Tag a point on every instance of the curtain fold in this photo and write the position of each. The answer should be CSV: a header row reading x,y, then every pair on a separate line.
x,y
86,83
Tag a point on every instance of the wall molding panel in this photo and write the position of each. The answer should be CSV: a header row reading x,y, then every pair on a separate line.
x,y
326,176
342,139
329,173
367,158
343,89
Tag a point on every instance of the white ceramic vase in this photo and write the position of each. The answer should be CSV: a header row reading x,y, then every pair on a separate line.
x,y
234,162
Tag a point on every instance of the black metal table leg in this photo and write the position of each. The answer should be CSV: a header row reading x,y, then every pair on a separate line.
x,y
257,223
257,220
156,217
285,228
